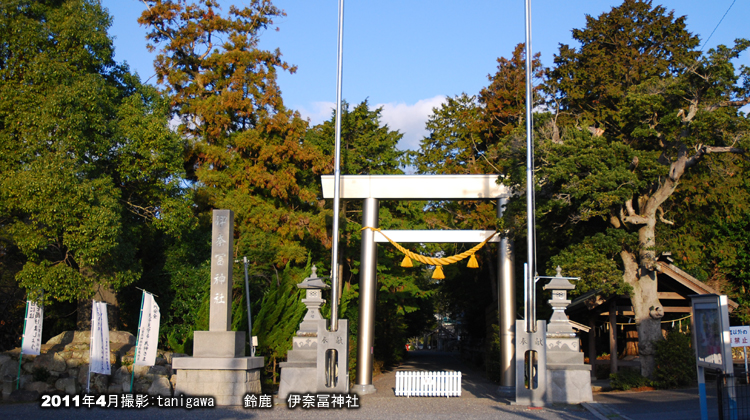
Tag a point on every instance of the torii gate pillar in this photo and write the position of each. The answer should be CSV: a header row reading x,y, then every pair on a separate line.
x,y
368,289
372,189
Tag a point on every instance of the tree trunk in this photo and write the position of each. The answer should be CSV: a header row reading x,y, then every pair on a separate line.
x,y
640,275
102,294
640,271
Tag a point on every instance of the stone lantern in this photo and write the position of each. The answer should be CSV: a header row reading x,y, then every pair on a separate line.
x,y
568,378
314,287
309,367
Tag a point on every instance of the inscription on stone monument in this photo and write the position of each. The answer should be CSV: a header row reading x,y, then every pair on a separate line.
x,y
222,235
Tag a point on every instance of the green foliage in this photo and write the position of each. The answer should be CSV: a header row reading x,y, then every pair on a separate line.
x,y
367,146
626,379
620,50
675,361
246,150
596,261
88,165
475,135
177,347
281,311
622,150
492,358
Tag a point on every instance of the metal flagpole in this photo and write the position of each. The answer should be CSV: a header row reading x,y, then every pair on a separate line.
x,y
337,179
249,314
135,353
91,348
530,216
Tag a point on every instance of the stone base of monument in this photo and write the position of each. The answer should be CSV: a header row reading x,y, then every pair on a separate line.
x,y
305,370
568,378
218,368
530,348
569,384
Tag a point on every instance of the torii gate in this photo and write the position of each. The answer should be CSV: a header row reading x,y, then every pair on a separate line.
x,y
373,188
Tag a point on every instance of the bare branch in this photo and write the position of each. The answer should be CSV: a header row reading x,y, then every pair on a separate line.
x,y
634,163
144,212
635,220
629,207
614,221
692,110
724,104
701,150
632,217
661,217
476,149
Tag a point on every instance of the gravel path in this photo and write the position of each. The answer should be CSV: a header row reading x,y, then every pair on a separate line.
x,y
479,400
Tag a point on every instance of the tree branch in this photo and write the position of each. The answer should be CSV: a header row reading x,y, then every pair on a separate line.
x,y
632,217
661,217
738,104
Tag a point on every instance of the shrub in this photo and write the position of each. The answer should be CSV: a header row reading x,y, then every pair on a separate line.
x,y
675,361
626,379
493,365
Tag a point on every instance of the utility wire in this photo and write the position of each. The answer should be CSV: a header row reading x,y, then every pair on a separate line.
x,y
717,25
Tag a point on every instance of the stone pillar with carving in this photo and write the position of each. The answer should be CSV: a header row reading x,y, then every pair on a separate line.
x,y
219,367
568,378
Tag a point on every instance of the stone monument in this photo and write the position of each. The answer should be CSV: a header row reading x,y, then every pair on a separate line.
x,y
309,367
568,378
219,367
531,372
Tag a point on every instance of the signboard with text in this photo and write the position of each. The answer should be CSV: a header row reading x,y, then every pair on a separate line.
x,y
711,336
740,336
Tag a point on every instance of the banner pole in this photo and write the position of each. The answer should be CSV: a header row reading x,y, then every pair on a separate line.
x,y
530,204
23,336
337,178
91,346
249,312
135,353
747,375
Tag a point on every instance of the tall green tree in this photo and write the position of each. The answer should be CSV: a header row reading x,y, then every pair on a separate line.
x,y
246,150
639,152
369,147
642,111
634,44
480,134
88,163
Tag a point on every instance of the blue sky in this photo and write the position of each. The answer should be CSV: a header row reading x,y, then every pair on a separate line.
x,y
408,55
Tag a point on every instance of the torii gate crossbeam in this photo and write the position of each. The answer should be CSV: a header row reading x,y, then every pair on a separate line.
x,y
372,189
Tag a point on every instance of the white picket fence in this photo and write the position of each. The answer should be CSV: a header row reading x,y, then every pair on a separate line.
x,y
428,384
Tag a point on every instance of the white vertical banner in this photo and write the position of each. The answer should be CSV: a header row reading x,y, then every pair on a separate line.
x,y
99,346
32,332
148,331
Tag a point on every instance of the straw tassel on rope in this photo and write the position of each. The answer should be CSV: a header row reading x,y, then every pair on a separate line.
x,y
437,262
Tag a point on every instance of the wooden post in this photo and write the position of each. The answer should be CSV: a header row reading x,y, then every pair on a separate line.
x,y
613,335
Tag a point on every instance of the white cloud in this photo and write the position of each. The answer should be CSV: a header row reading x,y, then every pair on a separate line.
x,y
409,119
321,112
